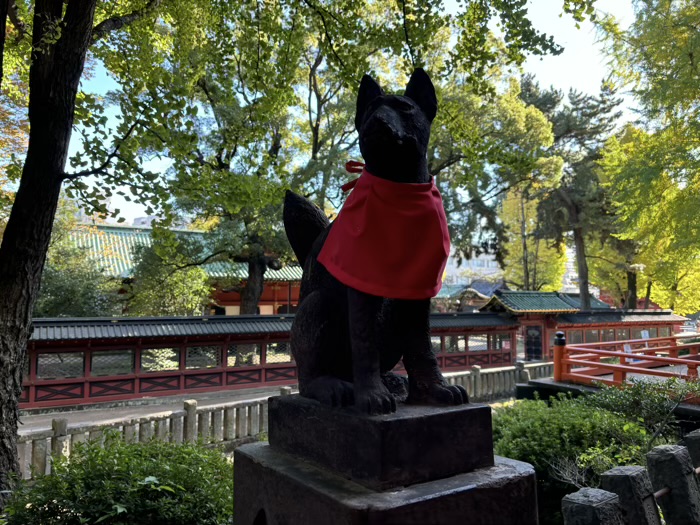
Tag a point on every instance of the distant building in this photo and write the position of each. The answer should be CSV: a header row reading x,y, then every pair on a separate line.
x,y
541,314
113,246
570,282
144,222
484,266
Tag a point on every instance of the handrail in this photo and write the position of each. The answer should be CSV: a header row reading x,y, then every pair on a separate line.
x,y
582,363
637,341
629,355
667,490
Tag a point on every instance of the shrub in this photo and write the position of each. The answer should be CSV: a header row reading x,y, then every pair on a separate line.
x,y
568,443
540,434
151,483
649,403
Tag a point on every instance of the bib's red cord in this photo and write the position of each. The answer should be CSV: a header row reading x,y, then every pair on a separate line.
x,y
352,166
390,239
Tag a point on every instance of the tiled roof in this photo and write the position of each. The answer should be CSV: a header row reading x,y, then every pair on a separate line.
x,y
621,316
135,327
486,288
574,300
112,246
72,329
470,320
449,291
524,302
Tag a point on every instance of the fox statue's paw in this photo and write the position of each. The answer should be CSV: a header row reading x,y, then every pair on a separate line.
x,y
330,391
438,393
397,385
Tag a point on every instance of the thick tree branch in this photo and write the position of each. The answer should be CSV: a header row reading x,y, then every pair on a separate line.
x,y
115,23
114,154
405,31
319,11
199,262
4,6
17,22
618,265
452,159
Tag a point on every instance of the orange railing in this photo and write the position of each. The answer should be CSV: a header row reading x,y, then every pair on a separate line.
x,y
590,363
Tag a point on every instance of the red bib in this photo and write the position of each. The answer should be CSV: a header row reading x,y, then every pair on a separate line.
x,y
390,239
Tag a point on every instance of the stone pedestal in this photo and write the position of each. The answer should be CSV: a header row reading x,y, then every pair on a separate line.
x,y
420,465
412,445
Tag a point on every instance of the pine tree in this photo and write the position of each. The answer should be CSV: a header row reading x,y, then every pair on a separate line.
x,y
576,207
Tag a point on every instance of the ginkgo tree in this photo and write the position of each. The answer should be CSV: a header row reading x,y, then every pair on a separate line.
x,y
655,211
531,263
654,169
133,39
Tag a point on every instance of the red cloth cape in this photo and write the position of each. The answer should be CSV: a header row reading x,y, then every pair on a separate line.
x,y
390,239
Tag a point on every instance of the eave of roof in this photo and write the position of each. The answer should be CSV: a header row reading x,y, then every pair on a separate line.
x,y
508,300
620,316
80,329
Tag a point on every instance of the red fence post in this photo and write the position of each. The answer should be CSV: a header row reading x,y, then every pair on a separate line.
x,y
559,355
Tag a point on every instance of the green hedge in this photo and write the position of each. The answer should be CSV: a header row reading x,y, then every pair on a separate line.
x,y
569,443
117,483
543,434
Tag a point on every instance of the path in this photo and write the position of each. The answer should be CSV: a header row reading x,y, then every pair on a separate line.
x,y
96,415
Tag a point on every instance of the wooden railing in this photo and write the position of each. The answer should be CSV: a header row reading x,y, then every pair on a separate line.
x,y
589,363
233,422
230,423
498,383
65,376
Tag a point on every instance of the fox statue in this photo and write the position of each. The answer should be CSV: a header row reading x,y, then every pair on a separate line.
x,y
368,277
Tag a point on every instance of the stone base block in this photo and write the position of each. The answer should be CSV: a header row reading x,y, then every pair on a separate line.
x,y
413,445
275,488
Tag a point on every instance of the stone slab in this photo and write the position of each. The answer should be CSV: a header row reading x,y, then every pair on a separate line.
x,y
275,488
413,445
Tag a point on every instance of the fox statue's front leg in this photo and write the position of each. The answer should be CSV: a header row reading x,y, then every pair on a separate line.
x,y
371,395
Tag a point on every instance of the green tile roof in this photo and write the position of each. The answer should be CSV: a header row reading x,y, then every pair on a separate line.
x,y
112,246
528,302
574,300
75,329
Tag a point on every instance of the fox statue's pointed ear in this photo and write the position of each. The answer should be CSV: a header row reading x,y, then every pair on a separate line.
x,y
369,90
420,89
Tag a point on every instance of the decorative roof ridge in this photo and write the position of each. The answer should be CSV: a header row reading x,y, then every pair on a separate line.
x,y
135,227
642,311
465,314
159,320
501,291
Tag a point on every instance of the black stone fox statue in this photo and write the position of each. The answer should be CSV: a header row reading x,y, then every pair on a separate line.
x,y
368,277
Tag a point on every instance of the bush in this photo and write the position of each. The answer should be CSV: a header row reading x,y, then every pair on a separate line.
x,y
649,403
543,435
151,483
569,444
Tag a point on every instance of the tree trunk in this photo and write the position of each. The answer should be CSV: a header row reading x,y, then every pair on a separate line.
x,y
647,296
674,294
53,83
536,285
582,264
523,237
323,192
631,303
253,289
4,9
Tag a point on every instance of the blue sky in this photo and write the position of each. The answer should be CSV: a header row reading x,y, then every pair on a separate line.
x,y
581,66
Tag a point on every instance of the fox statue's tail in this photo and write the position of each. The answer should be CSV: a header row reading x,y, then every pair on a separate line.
x,y
303,222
